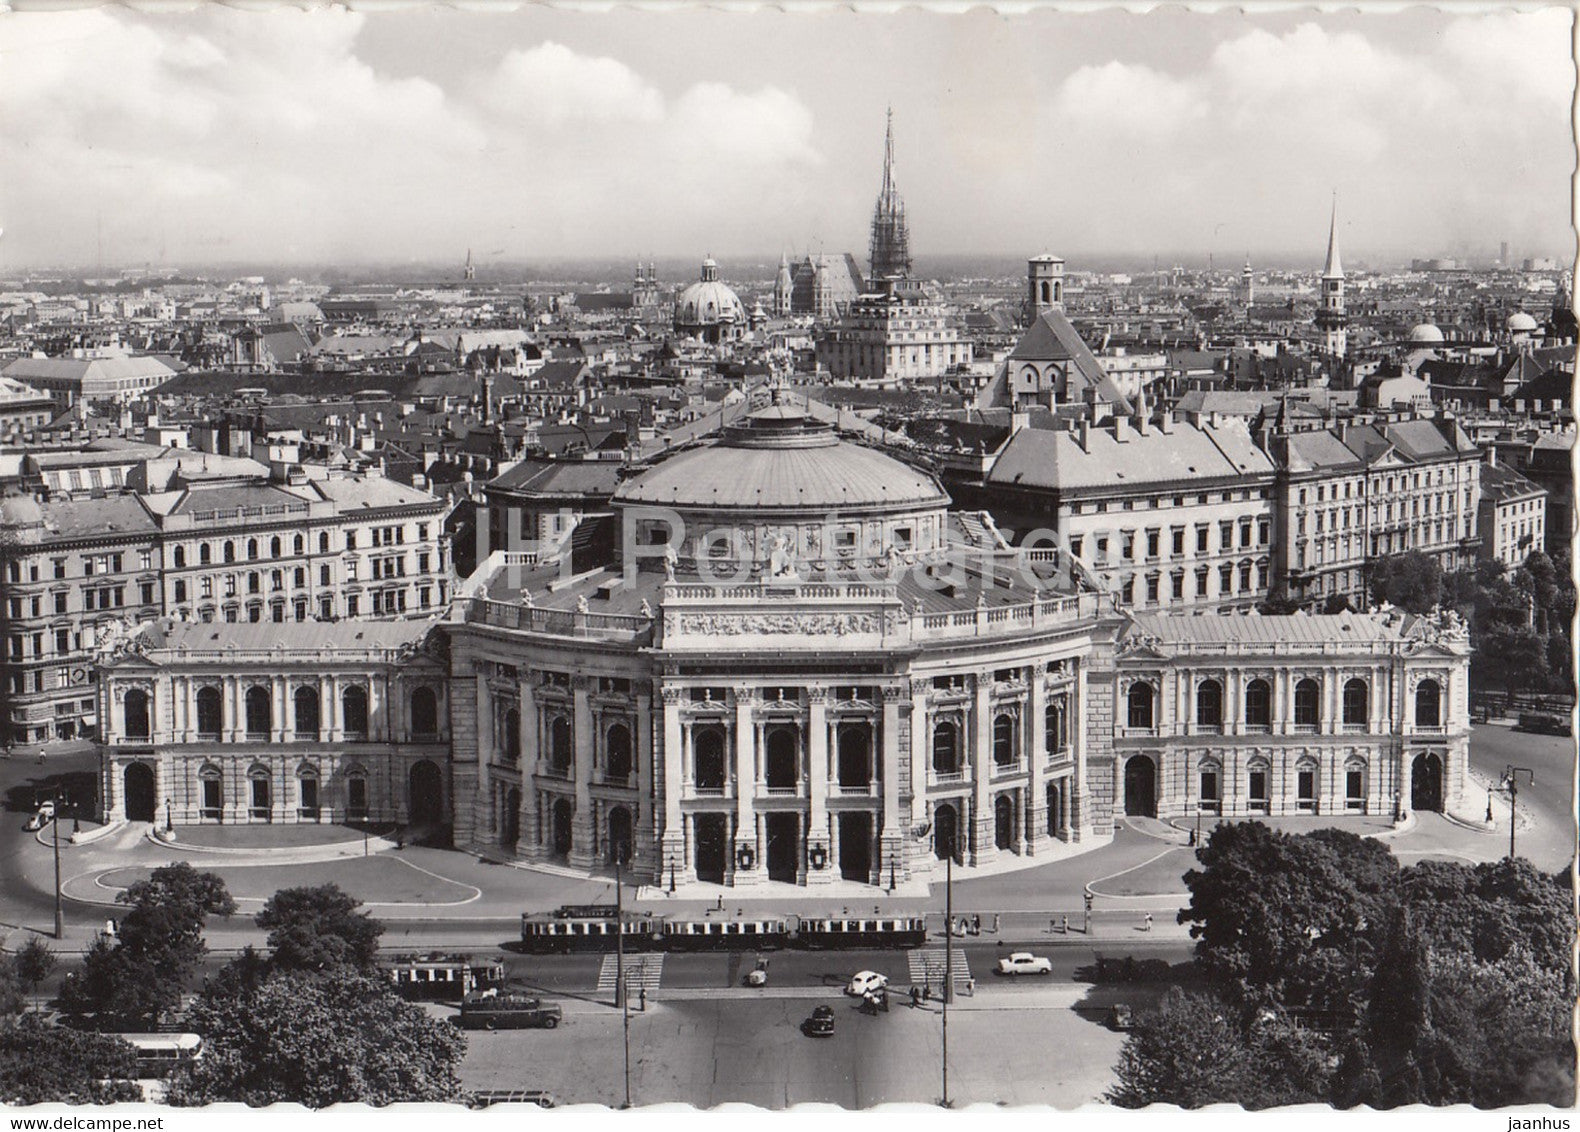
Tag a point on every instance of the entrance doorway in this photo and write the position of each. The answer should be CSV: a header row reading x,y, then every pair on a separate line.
x,y
510,826
1141,798
1003,822
784,849
619,835
425,801
711,846
946,832
1426,782
855,847
140,799
560,828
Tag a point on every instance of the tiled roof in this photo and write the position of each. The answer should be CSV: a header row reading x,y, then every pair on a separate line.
x,y
1039,458
581,478
1499,483
291,636
76,518
1255,629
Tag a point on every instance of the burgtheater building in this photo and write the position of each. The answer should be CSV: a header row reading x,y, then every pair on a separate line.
x,y
797,666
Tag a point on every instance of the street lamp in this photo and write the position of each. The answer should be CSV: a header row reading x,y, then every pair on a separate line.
x,y
949,957
620,989
54,825
1510,783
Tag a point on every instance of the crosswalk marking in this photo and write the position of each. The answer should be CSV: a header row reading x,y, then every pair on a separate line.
x,y
927,966
644,971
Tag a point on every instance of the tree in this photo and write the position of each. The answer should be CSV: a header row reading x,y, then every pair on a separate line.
x,y
34,962
1288,919
1491,910
133,982
1516,653
1187,1052
13,999
318,1039
311,929
45,1064
1413,581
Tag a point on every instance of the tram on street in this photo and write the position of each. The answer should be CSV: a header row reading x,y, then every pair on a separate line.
x,y
592,928
442,976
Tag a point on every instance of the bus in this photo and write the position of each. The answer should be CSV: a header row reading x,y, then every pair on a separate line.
x,y
443,976
491,1010
159,1055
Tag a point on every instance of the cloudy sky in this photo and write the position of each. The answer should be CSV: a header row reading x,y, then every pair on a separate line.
x,y
333,136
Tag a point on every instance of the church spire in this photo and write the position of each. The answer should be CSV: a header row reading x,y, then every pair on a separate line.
x,y
1333,269
890,251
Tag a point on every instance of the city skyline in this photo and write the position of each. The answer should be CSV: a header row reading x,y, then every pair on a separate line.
x,y
339,137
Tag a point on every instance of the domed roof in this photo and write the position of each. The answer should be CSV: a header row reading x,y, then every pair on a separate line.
x,y
708,302
1520,322
1426,334
779,459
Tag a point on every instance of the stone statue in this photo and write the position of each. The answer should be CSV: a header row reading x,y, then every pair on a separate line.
x,y
781,564
581,604
670,559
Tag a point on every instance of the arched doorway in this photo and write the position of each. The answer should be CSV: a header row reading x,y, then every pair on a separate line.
x,y
140,798
855,763
707,759
1141,798
510,826
1426,782
710,847
784,846
560,828
855,847
425,800
1003,822
946,832
782,762
620,835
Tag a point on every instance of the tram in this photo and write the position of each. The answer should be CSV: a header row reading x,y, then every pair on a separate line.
x,y
442,976
591,928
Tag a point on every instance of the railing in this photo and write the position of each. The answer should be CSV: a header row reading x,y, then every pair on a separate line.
x,y
549,770
708,791
1305,728
622,780
556,622
1206,729
1005,770
948,777
864,790
780,791
1354,728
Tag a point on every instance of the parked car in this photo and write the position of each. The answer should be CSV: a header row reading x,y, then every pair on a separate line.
x,y
1025,963
757,976
39,820
863,983
1121,1016
820,1024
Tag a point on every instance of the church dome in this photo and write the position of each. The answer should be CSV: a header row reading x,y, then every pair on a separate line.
x,y
779,460
1520,323
1426,335
708,303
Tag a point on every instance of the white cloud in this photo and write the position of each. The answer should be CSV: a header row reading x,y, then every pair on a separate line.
x,y
553,86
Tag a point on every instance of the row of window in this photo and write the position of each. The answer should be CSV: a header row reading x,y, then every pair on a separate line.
x,y
1130,544
1404,482
260,793
1258,704
257,712
949,743
230,550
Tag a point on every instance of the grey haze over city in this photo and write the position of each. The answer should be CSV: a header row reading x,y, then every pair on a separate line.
x,y
339,137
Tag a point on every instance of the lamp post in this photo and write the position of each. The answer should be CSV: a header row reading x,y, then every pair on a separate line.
x,y
1510,783
54,825
949,957
619,973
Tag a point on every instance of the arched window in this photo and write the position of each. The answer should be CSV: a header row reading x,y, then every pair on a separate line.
x,y
1138,704
1209,704
1209,782
1258,705
1003,739
205,556
354,711
210,715
136,714
1357,705
274,547
230,551
257,702
560,744
304,701
356,793
617,753
707,759
1056,725
424,712
252,548
307,791
298,545
323,542
1429,704
946,747
1308,705
179,556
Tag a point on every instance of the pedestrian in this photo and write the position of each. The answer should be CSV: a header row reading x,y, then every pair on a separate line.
x,y
971,987
1067,925
916,998
927,992
976,925
995,923
642,998
1147,922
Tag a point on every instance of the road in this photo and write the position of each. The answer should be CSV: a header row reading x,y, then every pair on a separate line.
x,y
1549,839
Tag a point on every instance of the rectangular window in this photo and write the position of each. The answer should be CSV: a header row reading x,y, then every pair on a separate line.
x,y
1226,535
60,603
351,605
1178,536
1258,789
1354,790
1152,589
1226,579
1201,538
60,568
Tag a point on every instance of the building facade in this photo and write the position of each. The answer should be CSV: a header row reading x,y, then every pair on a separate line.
x,y
899,334
1512,521
1349,713
246,723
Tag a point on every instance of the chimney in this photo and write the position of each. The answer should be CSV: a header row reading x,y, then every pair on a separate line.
x,y
1166,423
1121,428
1019,419
1083,435
1492,455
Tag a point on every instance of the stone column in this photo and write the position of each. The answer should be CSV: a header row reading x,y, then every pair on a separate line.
x,y
921,759
1037,803
817,765
745,781
644,861
584,854
530,837
982,769
1075,790
672,835
334,715
233,723
891,844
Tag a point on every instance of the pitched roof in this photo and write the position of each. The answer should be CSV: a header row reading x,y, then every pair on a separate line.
x,y
1500,483
580,478
1299,628
1040,458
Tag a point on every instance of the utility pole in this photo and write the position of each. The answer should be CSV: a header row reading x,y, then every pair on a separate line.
x,y
54,825
1510,782
619,974
949,956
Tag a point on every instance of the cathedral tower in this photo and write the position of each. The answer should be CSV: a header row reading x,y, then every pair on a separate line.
x,y
1044,286
891,240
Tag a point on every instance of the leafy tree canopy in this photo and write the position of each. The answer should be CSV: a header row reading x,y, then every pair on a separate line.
x,y
44,1064
311,929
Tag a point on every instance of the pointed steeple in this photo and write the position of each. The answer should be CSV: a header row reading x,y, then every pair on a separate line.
x,y
890,250
1333,269
888,152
